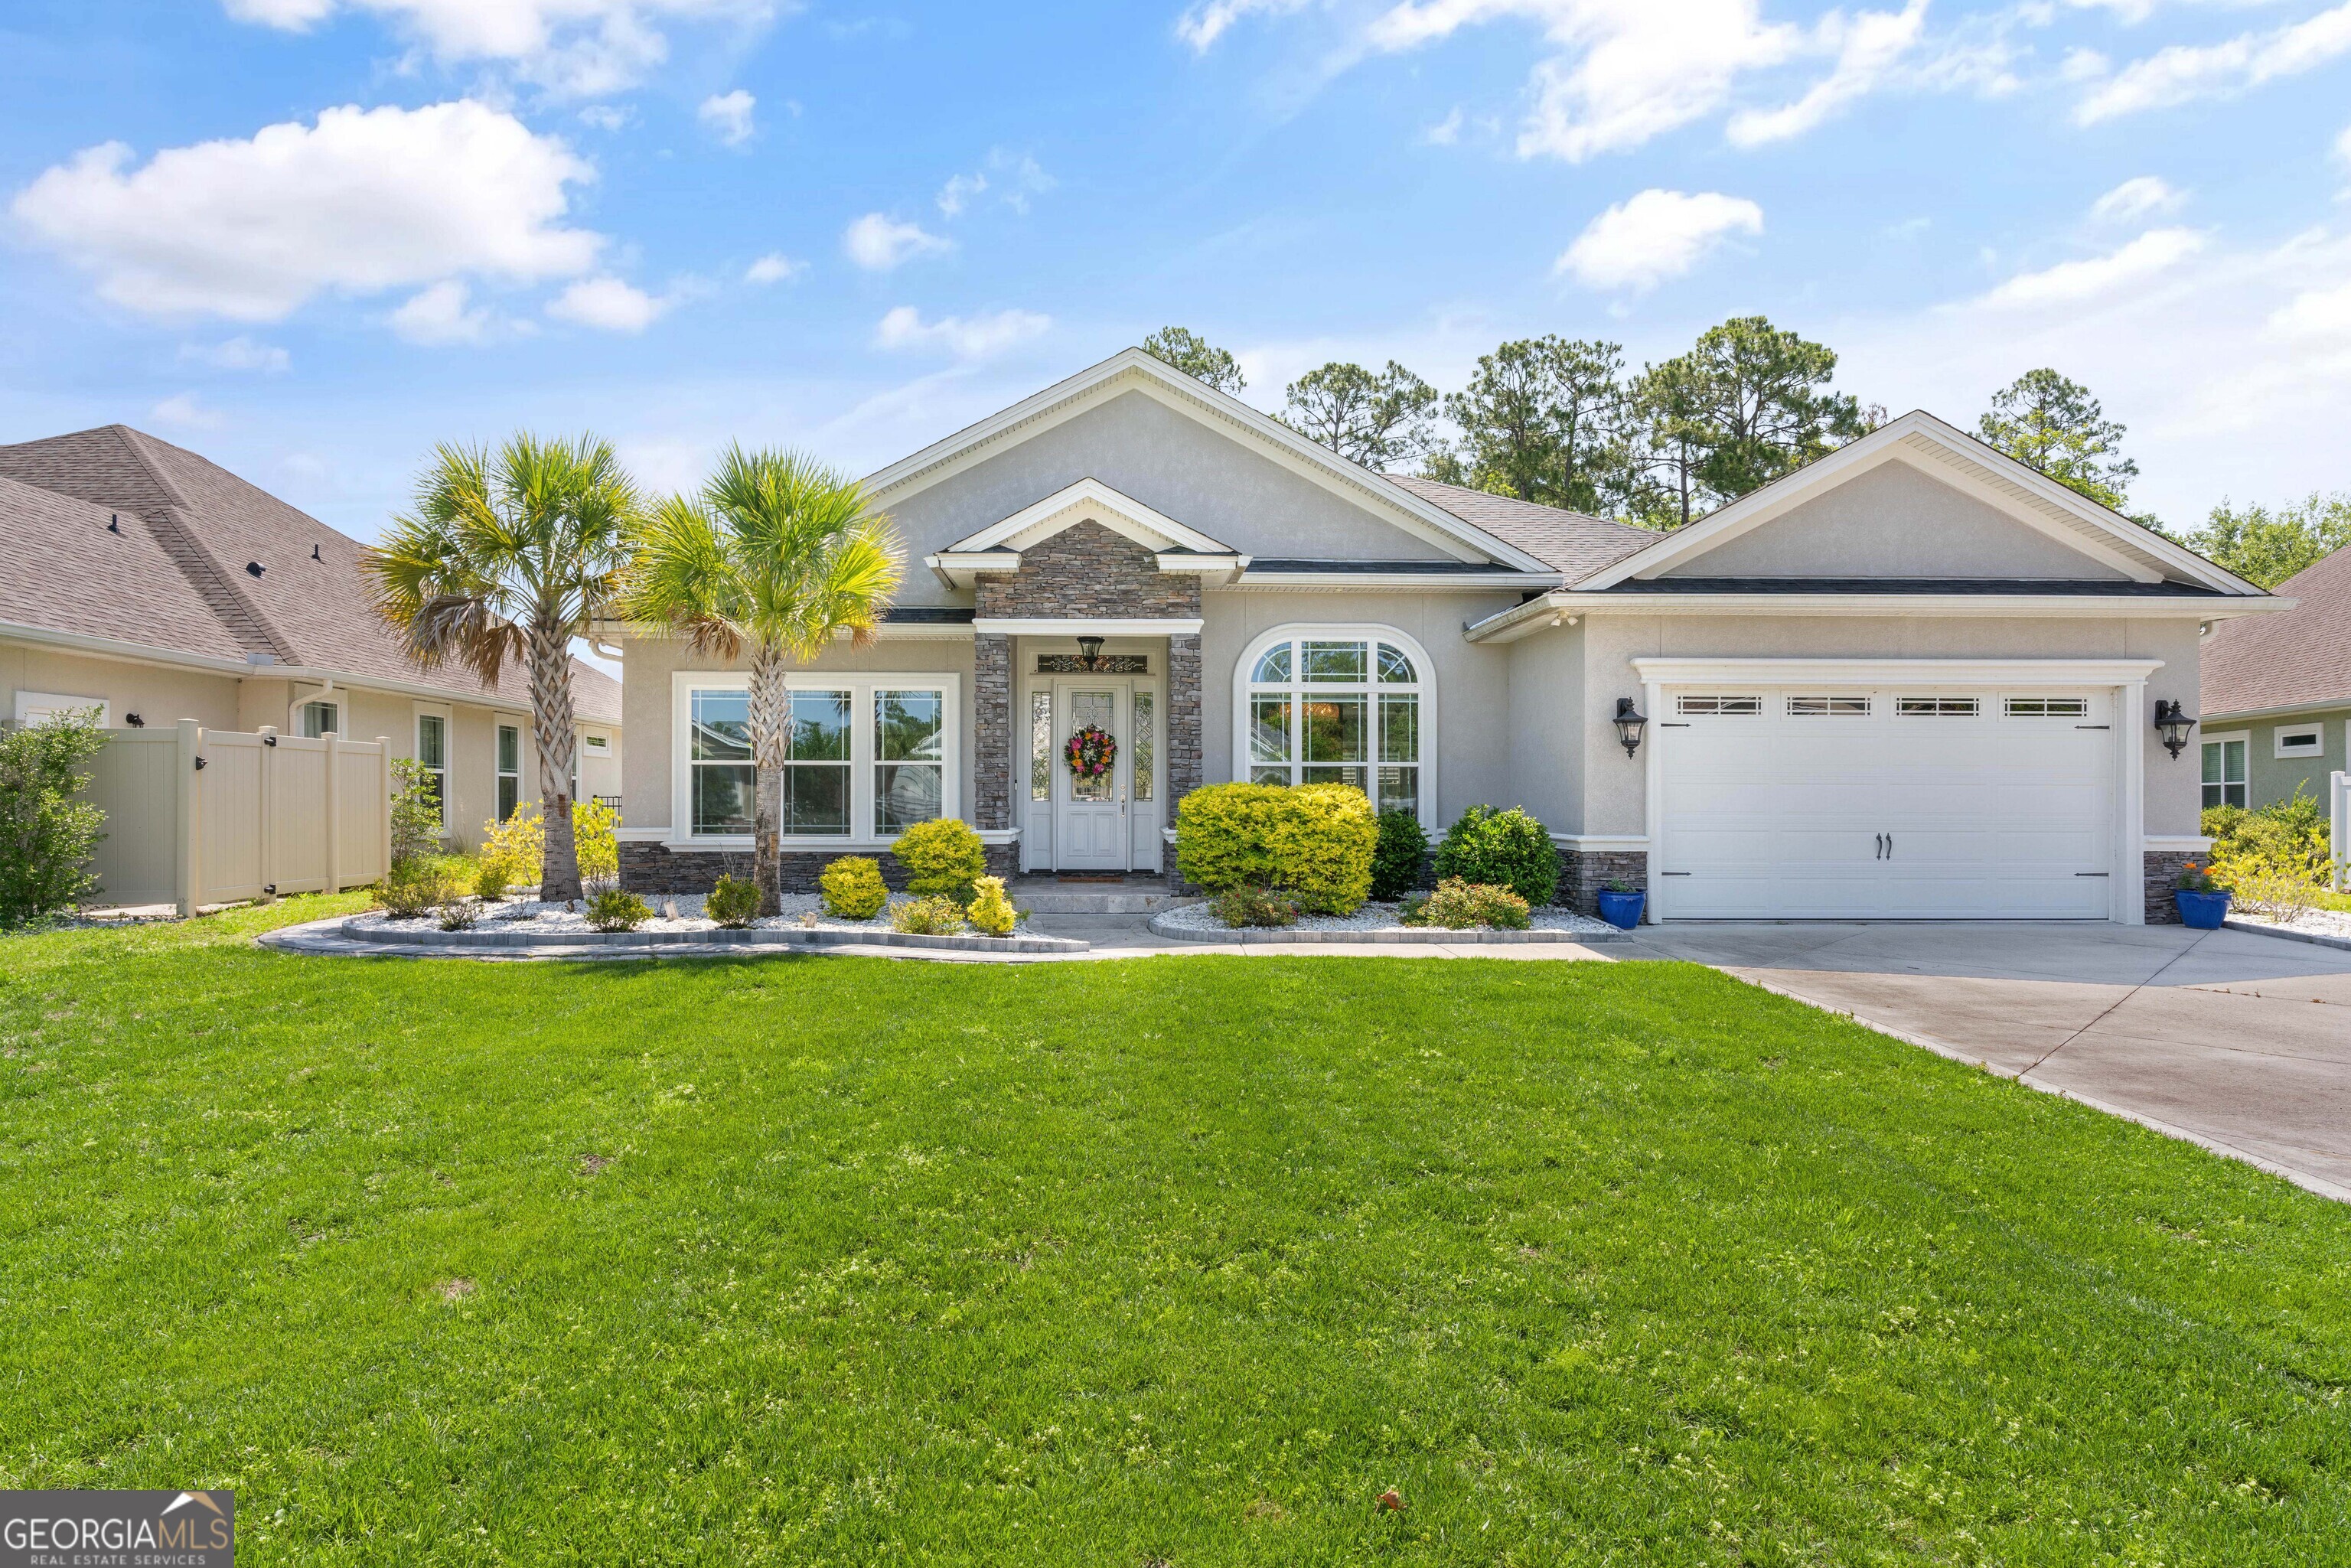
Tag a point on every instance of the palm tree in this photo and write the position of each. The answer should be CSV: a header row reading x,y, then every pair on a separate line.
x,y
510,556
779,554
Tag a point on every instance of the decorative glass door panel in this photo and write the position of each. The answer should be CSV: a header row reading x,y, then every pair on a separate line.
x,y
1092,812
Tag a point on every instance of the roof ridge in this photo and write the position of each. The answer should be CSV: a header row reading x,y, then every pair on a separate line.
x,y
179,542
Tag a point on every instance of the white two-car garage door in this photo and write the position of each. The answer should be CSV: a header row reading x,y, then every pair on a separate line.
x,y
1884,803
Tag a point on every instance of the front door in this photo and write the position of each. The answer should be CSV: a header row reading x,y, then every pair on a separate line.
x,y
1090,815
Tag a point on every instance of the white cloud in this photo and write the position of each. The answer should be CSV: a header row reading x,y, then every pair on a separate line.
x,y
238,353
363,201
773,267
2073,282
728,114
184,410
2343,146
579,47
2314,313
958,192
969,337
1868,47
606,115
1446,131
1657,234
1014,178
2136,199
1204,23
2186,72
877,244
439,314
608,304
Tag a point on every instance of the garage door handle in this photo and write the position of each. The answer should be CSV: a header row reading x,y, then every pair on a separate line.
x,y
2092,873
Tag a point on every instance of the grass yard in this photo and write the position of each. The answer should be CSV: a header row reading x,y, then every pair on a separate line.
x,y
1180,1260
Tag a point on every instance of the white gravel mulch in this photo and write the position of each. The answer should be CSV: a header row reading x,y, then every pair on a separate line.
x,y
1378,917
2314,921
529,915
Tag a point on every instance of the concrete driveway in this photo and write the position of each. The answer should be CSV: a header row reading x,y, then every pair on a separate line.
x,y
2239,1041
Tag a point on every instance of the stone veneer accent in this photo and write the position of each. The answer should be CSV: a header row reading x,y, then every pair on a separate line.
x,y
1184,759
1583,873
1086,572
657,868
991,719
2160,875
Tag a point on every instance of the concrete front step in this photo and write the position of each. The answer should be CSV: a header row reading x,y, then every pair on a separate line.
x,y
1136,895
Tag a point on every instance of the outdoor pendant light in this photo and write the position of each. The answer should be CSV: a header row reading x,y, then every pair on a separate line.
x,y
1089,650
1630,721
2173,723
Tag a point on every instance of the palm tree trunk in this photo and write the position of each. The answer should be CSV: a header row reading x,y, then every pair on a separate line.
x,y
552,731
770,748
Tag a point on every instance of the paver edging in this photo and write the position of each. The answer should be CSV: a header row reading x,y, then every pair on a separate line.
x,y
1430,935
2315,938
480,940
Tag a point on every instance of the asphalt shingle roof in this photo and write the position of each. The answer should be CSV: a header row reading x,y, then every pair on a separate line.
x,y
178,576
1576,545
2295,659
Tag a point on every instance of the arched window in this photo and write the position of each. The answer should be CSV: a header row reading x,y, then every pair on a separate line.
x,y
1338,707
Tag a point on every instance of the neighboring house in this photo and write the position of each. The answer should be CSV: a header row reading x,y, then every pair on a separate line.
x,y
2277,694
1914,680
141,580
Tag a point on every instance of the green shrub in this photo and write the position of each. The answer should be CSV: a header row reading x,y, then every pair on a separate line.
x,y
423,882
46,834
1458,906
943,857
613,910
492,876
1314,841
2222,823
937,915
1500,849
1252,906
460,913
852,888
991,913
1398,857
734,902
415,811
595,840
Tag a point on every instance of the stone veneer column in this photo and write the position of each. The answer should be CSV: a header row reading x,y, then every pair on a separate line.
x,y
1184,756
991,728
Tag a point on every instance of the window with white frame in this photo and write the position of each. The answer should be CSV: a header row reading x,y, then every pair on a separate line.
x,y
2299,740
866,756
433,755
320,719
1338,709
509,770
2224,770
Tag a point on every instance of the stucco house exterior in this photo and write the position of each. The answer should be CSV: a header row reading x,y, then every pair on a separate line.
x,y
2277,694
1915,679
141,579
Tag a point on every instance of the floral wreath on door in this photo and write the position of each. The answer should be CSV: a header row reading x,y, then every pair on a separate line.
x,y
1091,752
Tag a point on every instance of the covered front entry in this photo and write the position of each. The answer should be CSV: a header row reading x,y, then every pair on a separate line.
x,y
1862,800
1105,822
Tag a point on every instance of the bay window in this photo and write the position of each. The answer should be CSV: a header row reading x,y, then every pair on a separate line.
x,y
867,755
1332,706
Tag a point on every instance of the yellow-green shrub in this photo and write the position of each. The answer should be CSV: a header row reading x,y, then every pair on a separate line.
x,y
935,917
1315,842
517,846
943,857
2274,879
595,834
852,888
991,913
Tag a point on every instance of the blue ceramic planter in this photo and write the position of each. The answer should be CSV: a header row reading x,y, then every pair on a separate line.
x,y
2201,911
1621,910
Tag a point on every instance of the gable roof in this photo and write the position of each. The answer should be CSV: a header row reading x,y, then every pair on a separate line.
x,y
1957,459
178,575
2299,659
1572,543
1131,369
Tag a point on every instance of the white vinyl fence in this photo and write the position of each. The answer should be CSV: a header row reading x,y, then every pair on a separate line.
x,y
197,816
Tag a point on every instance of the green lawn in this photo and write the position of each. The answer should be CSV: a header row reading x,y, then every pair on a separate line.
x,y
1175,1261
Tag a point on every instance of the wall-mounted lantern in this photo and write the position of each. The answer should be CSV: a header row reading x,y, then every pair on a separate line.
x,y
1630,721
2173,723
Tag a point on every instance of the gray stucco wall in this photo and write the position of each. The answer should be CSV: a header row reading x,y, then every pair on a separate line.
x,y
1169,461
1549,755
1613,798
1895,520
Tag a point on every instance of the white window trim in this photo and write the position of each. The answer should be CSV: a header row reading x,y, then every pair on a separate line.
x,y
448,767
524,751
1336,632
2278,732
50,703
2227,735
862,685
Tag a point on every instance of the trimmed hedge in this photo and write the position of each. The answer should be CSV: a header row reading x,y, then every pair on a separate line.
x,y
852,888
943,857
1500,849
1314,841
1401,854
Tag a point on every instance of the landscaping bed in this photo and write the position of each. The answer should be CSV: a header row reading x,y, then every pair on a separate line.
x,y
1375,922
2328,928
522,923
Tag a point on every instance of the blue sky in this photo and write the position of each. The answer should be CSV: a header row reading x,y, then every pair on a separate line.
x,y
311,238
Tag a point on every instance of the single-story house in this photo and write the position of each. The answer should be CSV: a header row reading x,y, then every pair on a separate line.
x,y
2277,694
1915,679
141,580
